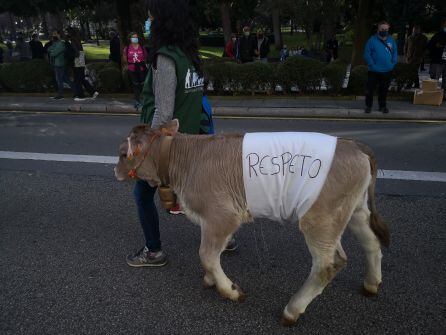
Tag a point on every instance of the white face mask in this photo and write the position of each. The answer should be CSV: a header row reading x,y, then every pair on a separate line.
x,y
134,39
234,39
247,33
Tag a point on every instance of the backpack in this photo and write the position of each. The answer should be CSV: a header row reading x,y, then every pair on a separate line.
x,y
69,53
206,122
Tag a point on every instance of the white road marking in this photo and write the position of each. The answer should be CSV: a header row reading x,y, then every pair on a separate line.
x,y
382,174
58,157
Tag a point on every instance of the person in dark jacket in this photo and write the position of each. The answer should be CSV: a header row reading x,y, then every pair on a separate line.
x,y
79,67
36,47
22,48
246,46
115,48
261,46
331,48
414,50
437,51
381,55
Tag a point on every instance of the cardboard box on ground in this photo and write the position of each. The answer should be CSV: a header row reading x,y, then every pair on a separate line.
x,y
429,94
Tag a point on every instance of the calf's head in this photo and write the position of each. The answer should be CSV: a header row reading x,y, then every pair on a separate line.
x,y
138,153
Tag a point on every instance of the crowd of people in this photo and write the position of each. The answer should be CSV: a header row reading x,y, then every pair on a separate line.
x,y
247,48
65,53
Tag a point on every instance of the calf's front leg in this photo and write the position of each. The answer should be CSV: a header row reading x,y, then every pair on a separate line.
x,y
214,238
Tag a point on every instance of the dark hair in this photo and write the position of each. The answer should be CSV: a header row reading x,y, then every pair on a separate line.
x,y
34,35
172,26
75,37
383,22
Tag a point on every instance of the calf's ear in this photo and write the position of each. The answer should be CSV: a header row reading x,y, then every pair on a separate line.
x,y
133,150
171,127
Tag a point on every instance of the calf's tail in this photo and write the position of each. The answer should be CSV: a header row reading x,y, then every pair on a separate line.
x,y
379,228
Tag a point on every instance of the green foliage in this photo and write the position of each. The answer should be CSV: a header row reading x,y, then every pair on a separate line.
x,y
256,76
358,80
405,75
334,74
305,73
220,73
30,76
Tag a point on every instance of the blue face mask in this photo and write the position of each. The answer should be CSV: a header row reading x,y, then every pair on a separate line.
x,y
383,33
134,39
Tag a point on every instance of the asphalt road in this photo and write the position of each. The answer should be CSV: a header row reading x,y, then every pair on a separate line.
x,y
65,229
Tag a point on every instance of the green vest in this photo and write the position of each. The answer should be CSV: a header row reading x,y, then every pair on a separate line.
x,y
188,94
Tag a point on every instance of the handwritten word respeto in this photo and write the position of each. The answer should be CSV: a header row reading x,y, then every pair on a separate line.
x,y
286,163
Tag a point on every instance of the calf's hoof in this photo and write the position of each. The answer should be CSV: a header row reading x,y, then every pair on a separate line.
x,y
241,295
287,321
370,290
234,293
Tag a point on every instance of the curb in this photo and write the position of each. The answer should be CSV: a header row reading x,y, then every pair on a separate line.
x,y
240,111
315,112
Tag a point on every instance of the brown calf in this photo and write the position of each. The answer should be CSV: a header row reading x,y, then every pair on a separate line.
x,y
206,174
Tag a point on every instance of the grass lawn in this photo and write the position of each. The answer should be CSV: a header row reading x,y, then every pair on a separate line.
x,y
93,51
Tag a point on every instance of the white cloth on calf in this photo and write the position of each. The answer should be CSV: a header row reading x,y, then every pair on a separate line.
x,y
283,173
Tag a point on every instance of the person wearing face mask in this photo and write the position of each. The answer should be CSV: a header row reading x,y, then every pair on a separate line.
x,y
246,46
56,55
232,48
135,56
261,49
381,56
173,90
437,51
414,49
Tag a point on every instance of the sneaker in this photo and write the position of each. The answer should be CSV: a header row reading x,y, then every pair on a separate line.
x,y
176,210
368,110
385,110
232,245
57,97
79,99
144,257
95,95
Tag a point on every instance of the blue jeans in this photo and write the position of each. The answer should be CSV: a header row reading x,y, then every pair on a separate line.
x,y
61,78
148,214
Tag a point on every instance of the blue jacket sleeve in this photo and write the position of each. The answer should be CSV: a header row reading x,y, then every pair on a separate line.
x,y
368,53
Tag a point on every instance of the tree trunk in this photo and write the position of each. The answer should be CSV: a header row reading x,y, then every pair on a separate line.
x,y
225,12
13,35
276,28
87,29
123,22
97,33
401,39
363,25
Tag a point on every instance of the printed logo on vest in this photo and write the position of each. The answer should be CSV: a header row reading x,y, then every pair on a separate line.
x,y
193,81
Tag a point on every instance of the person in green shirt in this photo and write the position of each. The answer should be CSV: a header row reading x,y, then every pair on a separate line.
x,y
173,89
56,54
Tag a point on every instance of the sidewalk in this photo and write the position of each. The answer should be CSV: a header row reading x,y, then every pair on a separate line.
x,y
306,107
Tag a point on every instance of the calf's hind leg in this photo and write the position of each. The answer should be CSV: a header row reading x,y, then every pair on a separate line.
x,y
327,262
360,226
214,237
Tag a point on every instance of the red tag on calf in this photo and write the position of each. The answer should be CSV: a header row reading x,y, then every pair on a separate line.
x,y
132,173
